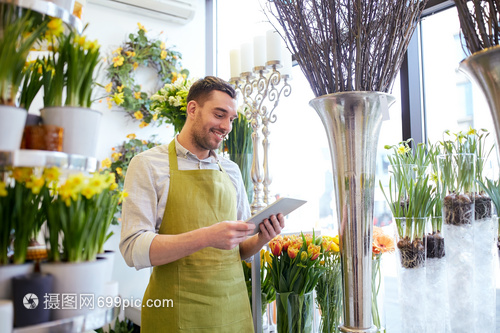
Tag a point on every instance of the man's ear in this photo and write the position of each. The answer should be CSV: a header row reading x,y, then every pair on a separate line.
x,y
191,108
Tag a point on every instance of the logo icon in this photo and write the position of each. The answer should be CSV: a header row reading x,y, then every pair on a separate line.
x,y
30,301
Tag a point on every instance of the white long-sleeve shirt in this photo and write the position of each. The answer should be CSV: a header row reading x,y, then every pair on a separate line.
x,y
147,182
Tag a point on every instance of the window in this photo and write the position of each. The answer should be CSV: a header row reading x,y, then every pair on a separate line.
x,y
300,162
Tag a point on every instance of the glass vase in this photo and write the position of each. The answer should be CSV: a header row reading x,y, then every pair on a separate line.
x,y
436,281
329,295
295,312
378,294
411,262
457,176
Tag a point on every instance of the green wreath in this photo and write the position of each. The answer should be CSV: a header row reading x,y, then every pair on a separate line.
x,y
139,50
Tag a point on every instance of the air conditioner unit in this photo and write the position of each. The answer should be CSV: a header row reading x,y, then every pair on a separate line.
x,y
177,11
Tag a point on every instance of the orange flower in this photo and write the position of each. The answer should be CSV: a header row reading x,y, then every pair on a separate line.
x,y
276,245
313,251
292,251
382,243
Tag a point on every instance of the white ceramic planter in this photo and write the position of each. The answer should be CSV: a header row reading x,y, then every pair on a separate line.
x,y
80,125
81,283
12,121
7,272
109,256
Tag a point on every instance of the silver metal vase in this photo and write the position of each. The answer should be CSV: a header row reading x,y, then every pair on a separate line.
x,y
352,122
483,67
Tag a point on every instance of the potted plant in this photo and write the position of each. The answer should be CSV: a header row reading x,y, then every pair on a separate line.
x,y
80,210
20,29
70,71
410,197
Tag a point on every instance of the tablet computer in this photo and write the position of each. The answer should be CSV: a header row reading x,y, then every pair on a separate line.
x,y
283,205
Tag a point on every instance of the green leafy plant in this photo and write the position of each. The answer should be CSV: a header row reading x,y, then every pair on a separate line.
x,y
122,155
33,81
268,294
239,146
72,65
139,50
169,104
78,215
21,198
329,289
121,326
411,199
21,29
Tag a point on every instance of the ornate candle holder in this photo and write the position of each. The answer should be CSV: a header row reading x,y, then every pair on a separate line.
x,y
261,91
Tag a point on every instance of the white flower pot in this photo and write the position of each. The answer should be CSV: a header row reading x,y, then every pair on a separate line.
x,y
7,272
109,256
82,282
80,125
12,121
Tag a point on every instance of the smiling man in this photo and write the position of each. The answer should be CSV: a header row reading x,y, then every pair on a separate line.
x,y
184,216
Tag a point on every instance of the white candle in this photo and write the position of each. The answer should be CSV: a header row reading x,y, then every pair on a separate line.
x,y
247,57
273,41
259,51
287,62
234,61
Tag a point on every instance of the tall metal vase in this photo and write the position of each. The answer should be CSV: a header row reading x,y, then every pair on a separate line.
x,y
352,122
483,67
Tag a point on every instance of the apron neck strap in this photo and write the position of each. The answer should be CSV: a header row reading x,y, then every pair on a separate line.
x,y
172,155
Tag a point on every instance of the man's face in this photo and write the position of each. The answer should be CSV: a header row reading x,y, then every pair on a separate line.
x,y
213,121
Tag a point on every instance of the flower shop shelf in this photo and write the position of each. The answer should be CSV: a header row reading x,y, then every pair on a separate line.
x,y
51,9
42,158
84,323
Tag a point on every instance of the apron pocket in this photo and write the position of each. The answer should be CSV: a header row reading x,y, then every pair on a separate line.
x,y
212,297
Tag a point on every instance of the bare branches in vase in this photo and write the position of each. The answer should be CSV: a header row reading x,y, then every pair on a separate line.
x,y
347,45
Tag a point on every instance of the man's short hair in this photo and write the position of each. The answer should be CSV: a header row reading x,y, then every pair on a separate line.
x,y
201,90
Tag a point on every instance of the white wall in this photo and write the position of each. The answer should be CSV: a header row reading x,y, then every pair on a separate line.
x,y
111,28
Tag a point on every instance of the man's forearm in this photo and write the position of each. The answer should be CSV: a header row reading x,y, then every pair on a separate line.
x,y
168,248
251,246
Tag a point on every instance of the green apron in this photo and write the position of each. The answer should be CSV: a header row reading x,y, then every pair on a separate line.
x,y
207,287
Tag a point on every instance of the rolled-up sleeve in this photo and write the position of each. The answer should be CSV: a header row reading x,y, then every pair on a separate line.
x,y
139,213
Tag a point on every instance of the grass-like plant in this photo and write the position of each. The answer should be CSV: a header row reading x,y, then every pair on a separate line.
x,y
20,28
71,69
239,146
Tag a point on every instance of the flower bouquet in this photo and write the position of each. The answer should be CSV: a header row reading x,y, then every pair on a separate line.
x,y
268,294
382,243
169,103
295,270
329,287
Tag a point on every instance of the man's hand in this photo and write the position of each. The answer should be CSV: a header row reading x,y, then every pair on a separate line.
x,y
271,227
227,235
